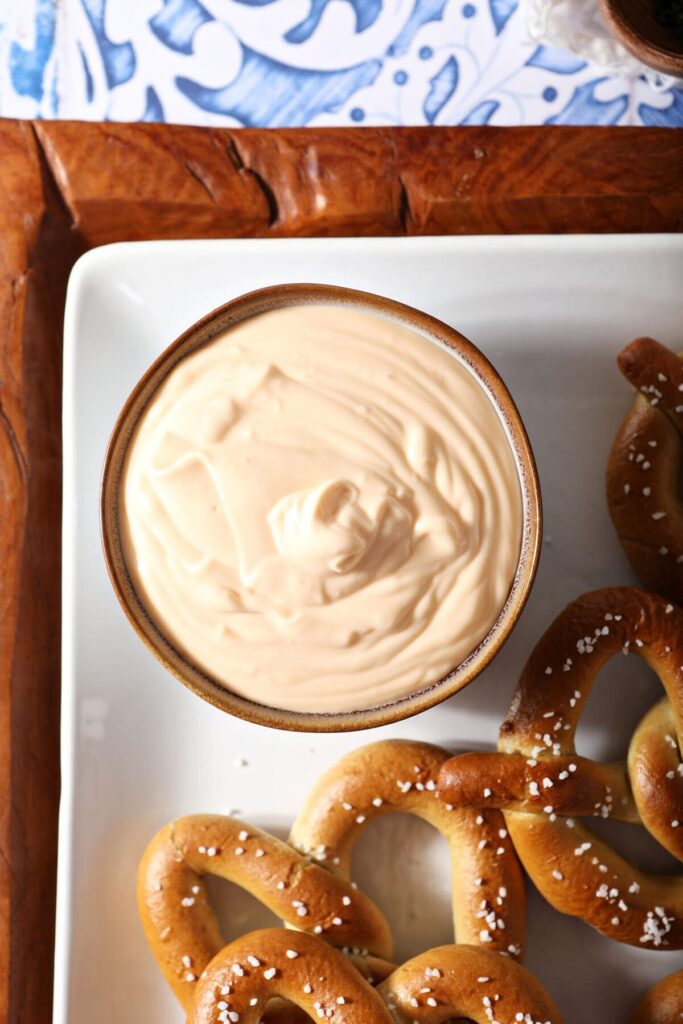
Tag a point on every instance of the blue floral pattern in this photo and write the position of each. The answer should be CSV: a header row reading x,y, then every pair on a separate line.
x,y
268,63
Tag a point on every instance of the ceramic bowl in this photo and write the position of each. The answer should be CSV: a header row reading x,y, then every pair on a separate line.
x,y
635,24
179,664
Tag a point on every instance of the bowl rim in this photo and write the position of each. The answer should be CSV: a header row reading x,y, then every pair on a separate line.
x,y
202,332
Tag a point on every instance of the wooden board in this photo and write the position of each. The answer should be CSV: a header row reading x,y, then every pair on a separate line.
x,y
67,187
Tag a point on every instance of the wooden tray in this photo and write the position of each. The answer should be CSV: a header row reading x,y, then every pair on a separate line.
x,y
68,187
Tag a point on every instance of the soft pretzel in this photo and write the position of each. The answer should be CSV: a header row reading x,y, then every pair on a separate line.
x,y
466,981
644,465
543,786
272,963
489,900
662,1004
433,987
180,925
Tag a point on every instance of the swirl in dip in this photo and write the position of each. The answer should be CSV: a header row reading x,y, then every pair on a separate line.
x,y
321,509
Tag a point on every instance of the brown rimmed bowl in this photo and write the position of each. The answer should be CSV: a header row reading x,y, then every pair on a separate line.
x,y
180,665
637,27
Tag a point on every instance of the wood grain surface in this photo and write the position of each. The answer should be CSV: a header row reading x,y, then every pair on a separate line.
x,y
67,187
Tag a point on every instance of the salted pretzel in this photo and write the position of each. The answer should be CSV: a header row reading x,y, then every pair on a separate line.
x,y
662,1004
470,982
544,786
273,963
180,925
450,981
644,466
489,899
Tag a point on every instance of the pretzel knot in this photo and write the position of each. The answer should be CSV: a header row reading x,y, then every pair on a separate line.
x,y
180,925
645,461
489,900
544,786
436,986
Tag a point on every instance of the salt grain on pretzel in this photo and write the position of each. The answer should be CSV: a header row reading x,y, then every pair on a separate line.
x,y
489,901
662,1004
576,871
644,465
180,925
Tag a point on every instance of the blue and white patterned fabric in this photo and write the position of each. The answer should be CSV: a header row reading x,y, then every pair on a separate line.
x,y
271,63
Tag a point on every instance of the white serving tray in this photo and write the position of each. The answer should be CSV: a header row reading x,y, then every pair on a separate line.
x,y
138,749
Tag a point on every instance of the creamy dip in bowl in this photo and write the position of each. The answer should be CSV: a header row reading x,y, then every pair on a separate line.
x,y
320,509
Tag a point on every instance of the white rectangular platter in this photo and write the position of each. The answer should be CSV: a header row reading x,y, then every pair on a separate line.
x,y
138,749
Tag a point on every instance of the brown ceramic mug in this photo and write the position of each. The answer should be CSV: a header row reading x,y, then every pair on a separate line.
x,y
180,664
